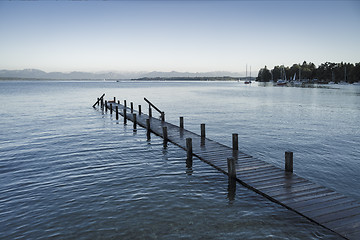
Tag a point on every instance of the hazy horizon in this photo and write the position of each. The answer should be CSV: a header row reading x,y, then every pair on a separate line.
x,y
165,36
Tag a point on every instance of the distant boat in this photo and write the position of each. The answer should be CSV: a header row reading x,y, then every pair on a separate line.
x,y
247,82
281,82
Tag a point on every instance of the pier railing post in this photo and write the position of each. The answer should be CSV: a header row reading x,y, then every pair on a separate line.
x,y
181,123
162,116
189,153
148,131
231,167
102,104
289,162
134,121
131,107
106,107
235,141
139,109
125,104
124,115
111,109
117,112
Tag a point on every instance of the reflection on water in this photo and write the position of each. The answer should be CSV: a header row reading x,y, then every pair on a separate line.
x,y
71,172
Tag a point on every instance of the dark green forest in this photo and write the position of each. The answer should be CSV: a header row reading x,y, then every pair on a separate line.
x,y
308,72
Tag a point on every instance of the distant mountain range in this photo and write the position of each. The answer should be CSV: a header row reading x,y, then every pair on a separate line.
x,y
39,74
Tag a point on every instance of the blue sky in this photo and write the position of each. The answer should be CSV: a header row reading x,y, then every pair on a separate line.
x,y
195,36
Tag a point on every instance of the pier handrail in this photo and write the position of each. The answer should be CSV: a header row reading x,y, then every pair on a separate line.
x,y
157,109
99,100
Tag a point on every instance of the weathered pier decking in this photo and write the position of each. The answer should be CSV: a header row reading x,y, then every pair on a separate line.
x,y
319,204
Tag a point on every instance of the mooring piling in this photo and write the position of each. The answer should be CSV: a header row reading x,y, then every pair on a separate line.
x,y
117,112
189,153
124,115
139,109
134,121
181,123
131,107
148,129
289,162
235,142
165,136
231,167
111,109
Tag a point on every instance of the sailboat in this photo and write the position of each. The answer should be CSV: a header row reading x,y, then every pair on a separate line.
x,y
248,81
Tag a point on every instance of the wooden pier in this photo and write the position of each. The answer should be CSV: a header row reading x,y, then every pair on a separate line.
x,y
336,212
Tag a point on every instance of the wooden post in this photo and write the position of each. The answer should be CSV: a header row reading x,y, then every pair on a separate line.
x,y
117,112
134,121
98,102
106,106
131,107
150,113
118,101
139,109
289,162
235,141
114,99
165,136
181,122
202,126
125,103
231,167
148,128
124,115
111,110
162,116
102,104
189,153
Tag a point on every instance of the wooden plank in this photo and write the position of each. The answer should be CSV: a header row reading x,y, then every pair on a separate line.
x,y
315,197
291,190
324,205
283,184
330,217
261,175
332,209
308,202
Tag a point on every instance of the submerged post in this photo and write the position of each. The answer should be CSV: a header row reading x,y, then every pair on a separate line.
x,y
181,123
148,129
289,162
235,141
124,115
117,112
231,167
134,121
139,109
165,136
189,152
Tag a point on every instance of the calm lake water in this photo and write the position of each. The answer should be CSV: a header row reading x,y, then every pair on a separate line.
x,y
69,171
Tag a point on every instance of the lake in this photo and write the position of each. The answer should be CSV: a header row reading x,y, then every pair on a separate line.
x,y
69,171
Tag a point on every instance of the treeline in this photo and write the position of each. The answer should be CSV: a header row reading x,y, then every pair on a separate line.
x,y
325,73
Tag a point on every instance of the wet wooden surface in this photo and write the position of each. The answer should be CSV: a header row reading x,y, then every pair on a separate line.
x,y
321,205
